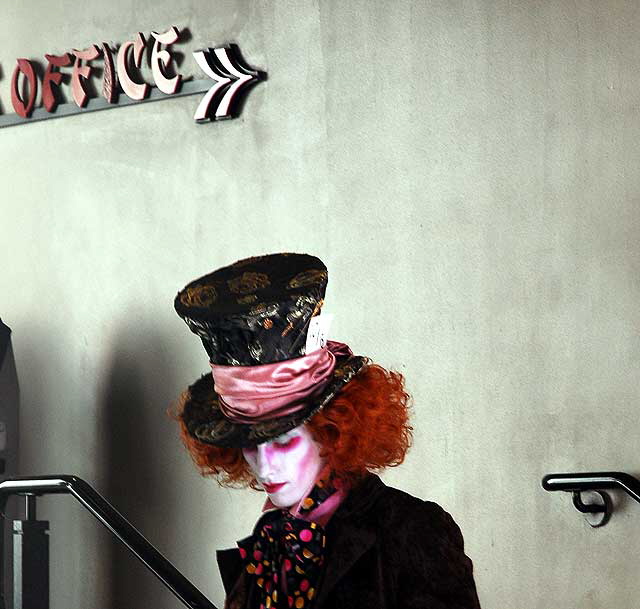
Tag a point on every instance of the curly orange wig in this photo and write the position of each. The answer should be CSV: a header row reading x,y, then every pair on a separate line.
x,y
364,428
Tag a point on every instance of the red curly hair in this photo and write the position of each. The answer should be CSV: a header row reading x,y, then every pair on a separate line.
x,y
364,428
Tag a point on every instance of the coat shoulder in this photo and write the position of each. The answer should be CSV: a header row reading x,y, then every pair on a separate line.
x,y
400,514
426,544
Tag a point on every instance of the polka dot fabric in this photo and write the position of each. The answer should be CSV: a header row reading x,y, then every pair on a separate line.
x,y
285,555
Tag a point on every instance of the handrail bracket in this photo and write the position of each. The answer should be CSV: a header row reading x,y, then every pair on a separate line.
x,y
588,490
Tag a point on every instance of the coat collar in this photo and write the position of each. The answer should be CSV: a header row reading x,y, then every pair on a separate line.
x,y
361,497
350,533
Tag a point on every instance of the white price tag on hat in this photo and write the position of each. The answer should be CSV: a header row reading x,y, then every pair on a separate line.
x,y
318,332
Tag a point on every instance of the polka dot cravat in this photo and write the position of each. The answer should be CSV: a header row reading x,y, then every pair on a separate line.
x,y
285,555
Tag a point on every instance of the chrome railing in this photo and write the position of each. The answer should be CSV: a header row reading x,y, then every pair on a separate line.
x,y
110,518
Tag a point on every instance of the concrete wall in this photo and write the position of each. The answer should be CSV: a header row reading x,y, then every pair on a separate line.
x,y
469,172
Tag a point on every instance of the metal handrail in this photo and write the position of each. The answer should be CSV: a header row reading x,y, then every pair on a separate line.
x,y
116,523
593,481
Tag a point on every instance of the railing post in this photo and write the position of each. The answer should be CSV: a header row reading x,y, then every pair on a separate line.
x,y
30,560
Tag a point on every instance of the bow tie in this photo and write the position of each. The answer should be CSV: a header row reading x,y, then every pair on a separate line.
x,y
283,546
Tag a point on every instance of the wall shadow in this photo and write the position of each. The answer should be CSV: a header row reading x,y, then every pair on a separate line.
x,y
139,444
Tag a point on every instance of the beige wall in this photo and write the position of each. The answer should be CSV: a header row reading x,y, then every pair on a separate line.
x,y
469,172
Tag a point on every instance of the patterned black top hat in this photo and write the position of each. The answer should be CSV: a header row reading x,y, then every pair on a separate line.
x,y
253,318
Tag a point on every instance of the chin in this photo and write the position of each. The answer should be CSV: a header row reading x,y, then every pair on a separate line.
x,y
282,500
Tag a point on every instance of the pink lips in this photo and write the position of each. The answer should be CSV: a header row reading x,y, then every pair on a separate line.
x,y
272,488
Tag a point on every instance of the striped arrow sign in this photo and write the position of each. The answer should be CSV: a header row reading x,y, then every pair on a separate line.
x,y
223,65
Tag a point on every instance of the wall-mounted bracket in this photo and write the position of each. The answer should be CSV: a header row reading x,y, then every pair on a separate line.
x,y
598,507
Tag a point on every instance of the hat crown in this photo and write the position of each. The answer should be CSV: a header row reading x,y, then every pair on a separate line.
x,y
257,310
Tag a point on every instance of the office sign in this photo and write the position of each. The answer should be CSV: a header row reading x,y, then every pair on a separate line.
x,y
228,77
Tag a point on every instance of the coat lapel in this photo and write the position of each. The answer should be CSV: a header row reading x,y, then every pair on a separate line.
x,y
349,544
230,566
349,534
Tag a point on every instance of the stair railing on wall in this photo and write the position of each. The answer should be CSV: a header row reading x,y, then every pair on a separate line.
x,y
31,549
600,508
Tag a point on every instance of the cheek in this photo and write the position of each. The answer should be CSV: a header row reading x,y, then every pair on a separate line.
x,y
308,461
306,464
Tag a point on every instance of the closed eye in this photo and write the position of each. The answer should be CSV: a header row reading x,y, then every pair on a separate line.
x,y
288,442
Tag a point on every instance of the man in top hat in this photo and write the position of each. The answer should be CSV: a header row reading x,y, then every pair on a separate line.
x,y
308,422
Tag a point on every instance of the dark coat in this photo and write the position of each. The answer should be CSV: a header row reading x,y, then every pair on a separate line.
x,y
385,550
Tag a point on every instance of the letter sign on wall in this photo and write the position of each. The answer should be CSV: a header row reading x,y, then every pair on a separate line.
x,y
223,65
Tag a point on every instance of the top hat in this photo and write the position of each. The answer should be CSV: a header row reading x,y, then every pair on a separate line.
x,y
253,318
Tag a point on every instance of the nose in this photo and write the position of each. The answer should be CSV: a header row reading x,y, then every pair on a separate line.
x,y
264,461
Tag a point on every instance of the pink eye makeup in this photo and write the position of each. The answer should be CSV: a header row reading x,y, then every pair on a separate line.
x,y
287,443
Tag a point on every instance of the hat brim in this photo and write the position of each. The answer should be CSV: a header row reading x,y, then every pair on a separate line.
x,y
205,422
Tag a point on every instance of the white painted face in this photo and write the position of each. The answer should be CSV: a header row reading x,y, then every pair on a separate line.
x,y
287,466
